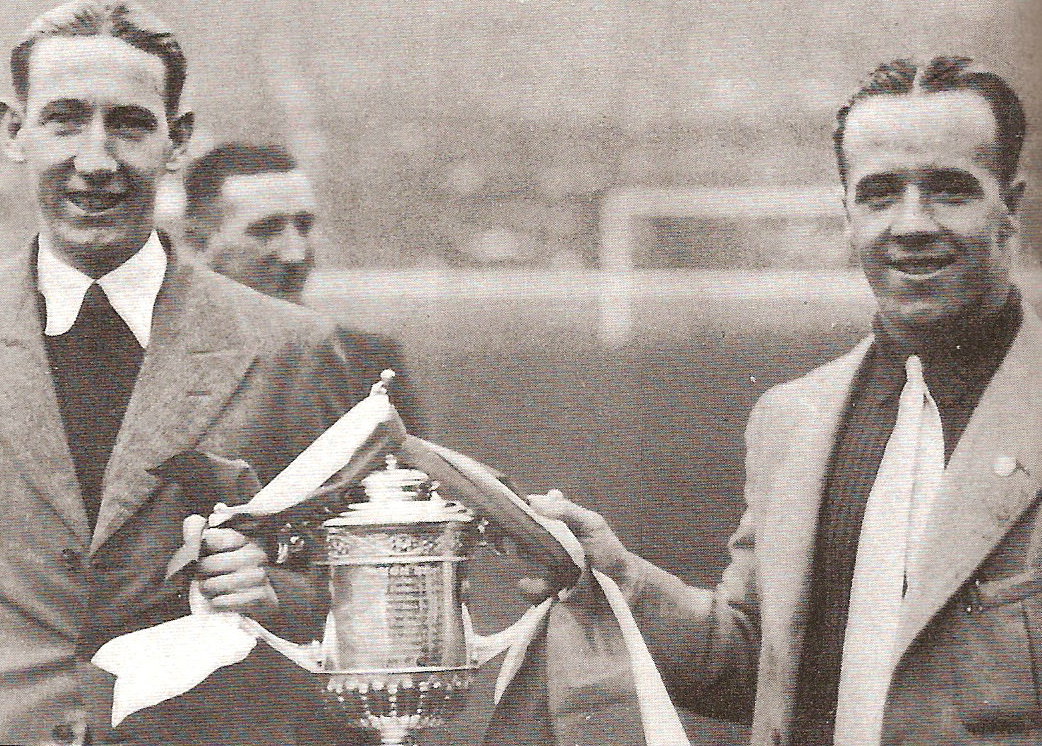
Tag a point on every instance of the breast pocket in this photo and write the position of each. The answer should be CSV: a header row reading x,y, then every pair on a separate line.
x,y
997,649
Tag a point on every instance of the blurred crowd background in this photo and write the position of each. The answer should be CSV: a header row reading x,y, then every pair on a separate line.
x,y
601,228
488,132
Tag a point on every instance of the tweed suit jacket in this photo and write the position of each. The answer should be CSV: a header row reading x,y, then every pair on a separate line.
x,y
969,651
228,371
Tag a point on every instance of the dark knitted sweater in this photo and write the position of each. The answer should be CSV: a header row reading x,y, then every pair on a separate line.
x,y
93,366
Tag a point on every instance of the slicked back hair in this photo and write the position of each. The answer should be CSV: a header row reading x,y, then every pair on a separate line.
x,y
902,77
207,174
126,21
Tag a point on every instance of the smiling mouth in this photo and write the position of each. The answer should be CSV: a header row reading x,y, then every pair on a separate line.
x,y
921,265
96,202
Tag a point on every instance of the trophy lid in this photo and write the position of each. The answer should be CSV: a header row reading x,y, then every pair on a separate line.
x,y
394,483
399,495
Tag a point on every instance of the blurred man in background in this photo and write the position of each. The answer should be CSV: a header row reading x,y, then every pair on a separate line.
x,y
884,585
250,212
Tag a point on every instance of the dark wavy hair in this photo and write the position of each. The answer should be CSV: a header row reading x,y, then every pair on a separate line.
x,y
207,174
126,21
904,76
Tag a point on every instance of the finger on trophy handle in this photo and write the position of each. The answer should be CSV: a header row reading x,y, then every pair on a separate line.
x,y
534,590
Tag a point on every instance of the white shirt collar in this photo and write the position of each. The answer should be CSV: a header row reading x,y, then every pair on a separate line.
x,y
131,288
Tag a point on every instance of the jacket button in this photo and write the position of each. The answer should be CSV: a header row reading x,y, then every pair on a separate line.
x,y
70,559
71,734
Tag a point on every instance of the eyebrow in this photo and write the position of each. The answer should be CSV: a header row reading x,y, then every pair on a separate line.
x,y
284,215
130,110
63,105
935,180
876,184
953,179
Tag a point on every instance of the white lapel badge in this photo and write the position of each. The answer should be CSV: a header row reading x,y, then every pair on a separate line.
x,y
1004,466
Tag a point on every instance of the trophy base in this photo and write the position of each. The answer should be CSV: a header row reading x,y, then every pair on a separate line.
x,y
397,704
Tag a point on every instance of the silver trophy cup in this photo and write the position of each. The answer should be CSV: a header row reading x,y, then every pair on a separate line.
x,y
394,652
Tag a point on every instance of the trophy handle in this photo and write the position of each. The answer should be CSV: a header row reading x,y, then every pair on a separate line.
x,y
484,648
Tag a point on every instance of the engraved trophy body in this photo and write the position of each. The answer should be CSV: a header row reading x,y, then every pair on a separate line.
x,y
394,653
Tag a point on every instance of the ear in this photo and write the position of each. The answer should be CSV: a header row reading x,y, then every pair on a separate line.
x,y
11,118
181,130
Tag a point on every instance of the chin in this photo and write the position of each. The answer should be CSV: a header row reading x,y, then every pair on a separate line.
x,y
937,321
96,238
918,317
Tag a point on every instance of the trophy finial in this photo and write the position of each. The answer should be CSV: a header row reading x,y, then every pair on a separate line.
x,y
382,386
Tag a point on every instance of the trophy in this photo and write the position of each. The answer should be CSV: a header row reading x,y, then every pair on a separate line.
x,y
395,649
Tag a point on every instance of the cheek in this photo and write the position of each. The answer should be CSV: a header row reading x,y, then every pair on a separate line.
x,y
866,229
145,161
979,225
46,158
235,251
870,251
50,180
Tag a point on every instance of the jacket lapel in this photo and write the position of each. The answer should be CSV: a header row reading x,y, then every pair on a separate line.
x,y
789,528
31,422
992,478
197,358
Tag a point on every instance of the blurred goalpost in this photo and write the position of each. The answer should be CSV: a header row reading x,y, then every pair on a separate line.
x,y
624,210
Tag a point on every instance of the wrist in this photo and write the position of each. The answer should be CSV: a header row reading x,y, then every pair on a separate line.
x,y
628,571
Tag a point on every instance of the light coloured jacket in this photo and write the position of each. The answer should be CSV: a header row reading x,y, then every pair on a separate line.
x,y
970,641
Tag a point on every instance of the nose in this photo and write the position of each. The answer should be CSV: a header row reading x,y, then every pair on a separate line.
x,y
293,247
913,218
94,158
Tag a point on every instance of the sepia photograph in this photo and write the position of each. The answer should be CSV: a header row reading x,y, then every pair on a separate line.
x,y
521,373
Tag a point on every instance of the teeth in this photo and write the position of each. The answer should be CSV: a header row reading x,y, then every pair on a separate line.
x,y
95,202
921,268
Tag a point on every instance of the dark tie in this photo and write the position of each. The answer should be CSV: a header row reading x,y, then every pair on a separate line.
x,y
93,366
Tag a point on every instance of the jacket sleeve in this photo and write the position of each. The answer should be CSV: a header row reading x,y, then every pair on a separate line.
x,y
305,394
706,641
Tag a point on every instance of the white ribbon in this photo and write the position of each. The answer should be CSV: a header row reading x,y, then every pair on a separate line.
x,y
661,724
155,664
